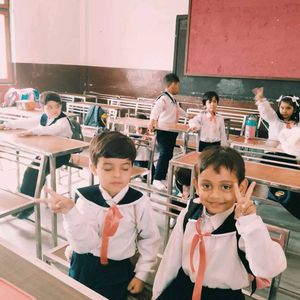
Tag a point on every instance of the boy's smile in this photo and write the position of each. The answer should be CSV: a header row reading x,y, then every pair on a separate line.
x,y
113,173
216,190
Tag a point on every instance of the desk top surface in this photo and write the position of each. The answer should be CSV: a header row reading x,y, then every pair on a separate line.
x,y
256,143
43,144
176,127
39,279
261,173
9,201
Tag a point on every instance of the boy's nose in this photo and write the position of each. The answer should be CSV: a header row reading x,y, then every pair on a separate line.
x,y
117,173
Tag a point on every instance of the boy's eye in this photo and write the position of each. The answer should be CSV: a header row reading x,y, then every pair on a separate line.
x,y
107,170
226,187
205,186
125,169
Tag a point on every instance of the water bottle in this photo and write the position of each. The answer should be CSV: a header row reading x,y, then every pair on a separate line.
x,y
251,124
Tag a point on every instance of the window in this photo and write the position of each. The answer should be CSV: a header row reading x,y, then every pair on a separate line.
x,y
6,66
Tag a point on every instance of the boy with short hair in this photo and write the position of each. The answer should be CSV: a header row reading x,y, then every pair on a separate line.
x,y
52,122
217,236
166,110
109,222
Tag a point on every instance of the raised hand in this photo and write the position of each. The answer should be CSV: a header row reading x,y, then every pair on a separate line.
x,y
258,93
57,203
244,205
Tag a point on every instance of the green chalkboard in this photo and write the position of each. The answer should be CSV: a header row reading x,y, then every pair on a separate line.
x,y
235,88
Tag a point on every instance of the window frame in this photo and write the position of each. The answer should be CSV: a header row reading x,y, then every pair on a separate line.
x,y
4,10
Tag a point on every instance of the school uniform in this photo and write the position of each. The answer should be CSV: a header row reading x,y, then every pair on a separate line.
x,y
166,110
85,226
212,129
59,126
224,275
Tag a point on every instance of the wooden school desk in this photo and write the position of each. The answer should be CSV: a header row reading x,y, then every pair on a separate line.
x,y
13,113
11,203
39,279
48,147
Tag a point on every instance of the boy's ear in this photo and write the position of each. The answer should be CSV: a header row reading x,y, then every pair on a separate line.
x,y
92,168
195,183
243,186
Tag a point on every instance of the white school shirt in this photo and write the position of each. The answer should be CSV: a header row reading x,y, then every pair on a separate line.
x,y
83,226
275,124
165,110
61,127
209,131
266,257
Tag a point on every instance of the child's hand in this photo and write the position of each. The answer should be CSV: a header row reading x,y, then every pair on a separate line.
x,y
258,94
244,205
58,203
152,125
135,286
2,126
192,129
25,133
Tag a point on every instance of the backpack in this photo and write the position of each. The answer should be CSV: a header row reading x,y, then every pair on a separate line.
x,y
95,117
195,211
76,130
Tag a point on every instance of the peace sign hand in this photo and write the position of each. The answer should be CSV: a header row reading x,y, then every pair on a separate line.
x,y
57,203
258,94
244,205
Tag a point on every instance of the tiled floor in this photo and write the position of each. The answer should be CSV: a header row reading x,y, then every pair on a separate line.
x,y
21,233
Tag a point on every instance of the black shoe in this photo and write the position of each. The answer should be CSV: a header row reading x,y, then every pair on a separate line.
x,y
24,214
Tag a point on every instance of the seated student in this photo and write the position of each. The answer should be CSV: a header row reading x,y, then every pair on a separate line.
x,y
210,123
109,222
52,122
217,236
143,152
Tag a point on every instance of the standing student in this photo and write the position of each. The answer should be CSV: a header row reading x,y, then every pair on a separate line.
x,y
281,121
52,122
109,222
166,110
217,236
210,123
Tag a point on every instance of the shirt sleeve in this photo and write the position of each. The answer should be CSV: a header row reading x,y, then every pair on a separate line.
x,y
82,232
266,111
196,121
61,127
171,260
23,123
148,240
223,135
266,257
158,108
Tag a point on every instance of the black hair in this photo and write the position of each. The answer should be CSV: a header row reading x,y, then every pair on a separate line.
x,y
111,144
182,177
141,116
287,99
209,96
218,156
170,78
47,96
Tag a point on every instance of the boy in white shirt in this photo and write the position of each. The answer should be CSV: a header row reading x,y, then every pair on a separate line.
x,y
109,222
217,236
166,110
52,122
210,123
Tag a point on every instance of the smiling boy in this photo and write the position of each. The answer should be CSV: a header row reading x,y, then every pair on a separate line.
x,y
214,233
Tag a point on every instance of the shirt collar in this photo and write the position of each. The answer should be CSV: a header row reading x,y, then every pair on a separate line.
x,y
117,198
218,219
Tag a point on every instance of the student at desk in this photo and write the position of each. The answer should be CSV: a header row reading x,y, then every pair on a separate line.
x,y
217,237
210,123
281,122
165,110
52,122
110,222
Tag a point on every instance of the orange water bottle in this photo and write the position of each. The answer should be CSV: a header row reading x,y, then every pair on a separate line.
x,y
250,130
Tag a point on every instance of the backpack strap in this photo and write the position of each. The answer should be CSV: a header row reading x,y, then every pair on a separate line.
x,y
166,94
44,119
